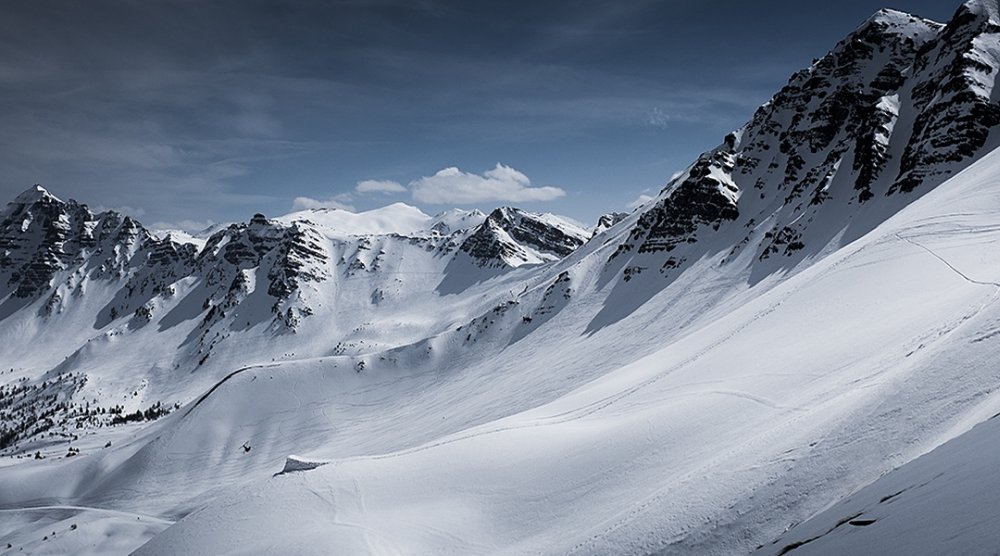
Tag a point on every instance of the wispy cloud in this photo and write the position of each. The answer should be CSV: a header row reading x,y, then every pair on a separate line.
x,y
379,186
658,118
346,200
641,200
502,183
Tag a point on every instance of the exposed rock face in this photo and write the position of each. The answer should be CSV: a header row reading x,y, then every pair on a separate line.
x,y
543,233
955,74
705,196
151,270
41,236
260,272
897,107
512,237
53,248
283,255
491,246
608,220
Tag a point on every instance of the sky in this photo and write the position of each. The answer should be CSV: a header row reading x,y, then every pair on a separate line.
x,y
187,113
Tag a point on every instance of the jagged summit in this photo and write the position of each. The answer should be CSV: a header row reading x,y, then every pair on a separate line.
x,y
54,248
894,109
34,194
902,24
606,221
513,237
890,15
452,220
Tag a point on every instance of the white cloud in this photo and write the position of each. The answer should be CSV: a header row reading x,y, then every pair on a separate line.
x,y
340,201
502,183
641,200
379,186
658,118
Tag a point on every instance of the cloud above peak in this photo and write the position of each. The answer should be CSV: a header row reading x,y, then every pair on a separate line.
x,y
502,183
379,186
340,201
449,186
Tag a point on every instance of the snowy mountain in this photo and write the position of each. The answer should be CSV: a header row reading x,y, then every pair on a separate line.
x,y
42,236
606,221
806,307
893,109
320,281
512,237
940,503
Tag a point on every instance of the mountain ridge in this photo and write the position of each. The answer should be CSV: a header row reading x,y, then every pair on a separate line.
x,y
806,306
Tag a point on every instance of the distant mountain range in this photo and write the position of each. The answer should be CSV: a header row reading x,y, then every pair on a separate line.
x,y
804,308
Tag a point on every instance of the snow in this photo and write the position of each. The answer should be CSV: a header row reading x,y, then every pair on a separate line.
x,y
397,218
903,23
695,423
33,195
816,385
58,530
564,223
987,7
457,219
402,398
182,237
941,503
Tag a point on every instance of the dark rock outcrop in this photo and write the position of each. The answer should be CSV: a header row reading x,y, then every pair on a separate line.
x,y
511,237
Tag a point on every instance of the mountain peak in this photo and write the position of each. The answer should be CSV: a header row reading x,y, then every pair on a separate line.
x,y
889,15
897,23
457,219
398,218
501,213
986,8
34,194
511,236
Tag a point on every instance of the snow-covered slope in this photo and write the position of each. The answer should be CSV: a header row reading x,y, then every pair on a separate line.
x,y
804,308
756,416
100,318
397,218
944,502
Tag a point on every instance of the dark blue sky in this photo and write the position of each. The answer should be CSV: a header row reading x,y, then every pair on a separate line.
x,y
186,112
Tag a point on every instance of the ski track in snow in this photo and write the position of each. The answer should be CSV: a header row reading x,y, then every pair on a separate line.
x,y
948,264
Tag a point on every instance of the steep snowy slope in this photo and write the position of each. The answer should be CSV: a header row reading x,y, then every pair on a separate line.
x,y
398,218
130,321
756,418
941,503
